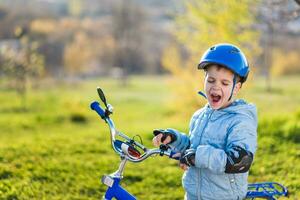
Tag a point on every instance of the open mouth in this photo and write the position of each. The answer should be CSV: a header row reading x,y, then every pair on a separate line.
x,y
215,98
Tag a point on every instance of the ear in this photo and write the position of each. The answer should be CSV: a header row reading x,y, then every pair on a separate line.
x,y
237,88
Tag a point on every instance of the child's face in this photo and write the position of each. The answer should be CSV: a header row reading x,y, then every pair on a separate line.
x,y
218,85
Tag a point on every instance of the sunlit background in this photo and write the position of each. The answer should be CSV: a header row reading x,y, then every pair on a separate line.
x,y
54,53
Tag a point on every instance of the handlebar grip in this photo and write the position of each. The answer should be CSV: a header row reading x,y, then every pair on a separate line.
x,y
96,107
172,154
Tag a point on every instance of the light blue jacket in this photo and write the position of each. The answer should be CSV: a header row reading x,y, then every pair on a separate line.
x,y
212,134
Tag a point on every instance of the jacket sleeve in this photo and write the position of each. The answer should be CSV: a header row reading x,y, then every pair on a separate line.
x,y
242,133
182,141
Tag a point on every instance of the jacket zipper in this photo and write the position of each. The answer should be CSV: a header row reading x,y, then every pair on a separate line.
x,y
199,171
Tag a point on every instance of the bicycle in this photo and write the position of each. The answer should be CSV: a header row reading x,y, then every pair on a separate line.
x,y
130,150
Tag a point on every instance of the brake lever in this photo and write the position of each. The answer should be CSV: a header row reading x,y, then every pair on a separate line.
x,y
102,96
165,147
109,108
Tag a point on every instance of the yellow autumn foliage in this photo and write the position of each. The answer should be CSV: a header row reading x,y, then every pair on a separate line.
x,y
285,63
43,26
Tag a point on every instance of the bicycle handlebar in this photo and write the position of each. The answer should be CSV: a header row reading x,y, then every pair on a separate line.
x,y
123,148
96,107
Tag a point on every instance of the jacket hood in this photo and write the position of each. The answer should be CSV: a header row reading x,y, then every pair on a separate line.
x,y
238,106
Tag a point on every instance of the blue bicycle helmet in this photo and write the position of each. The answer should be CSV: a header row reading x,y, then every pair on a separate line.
x,y
226,55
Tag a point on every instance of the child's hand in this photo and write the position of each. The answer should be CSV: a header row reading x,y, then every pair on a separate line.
x,y
163,137
183,166
188,157
158,140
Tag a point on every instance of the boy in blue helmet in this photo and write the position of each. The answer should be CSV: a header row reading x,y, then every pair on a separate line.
x,y
219,150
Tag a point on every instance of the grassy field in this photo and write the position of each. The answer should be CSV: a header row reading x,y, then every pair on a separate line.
x,y
58,148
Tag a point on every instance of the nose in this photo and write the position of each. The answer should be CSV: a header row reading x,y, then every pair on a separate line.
x,y
216,87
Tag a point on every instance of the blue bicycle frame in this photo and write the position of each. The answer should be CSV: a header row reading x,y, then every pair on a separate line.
x,y
267,190
129,150
115,190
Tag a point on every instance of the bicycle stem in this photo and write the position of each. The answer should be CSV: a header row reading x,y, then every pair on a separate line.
x,y
119,172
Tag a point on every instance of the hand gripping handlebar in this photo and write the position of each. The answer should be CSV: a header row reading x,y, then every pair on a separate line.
x,y
129,147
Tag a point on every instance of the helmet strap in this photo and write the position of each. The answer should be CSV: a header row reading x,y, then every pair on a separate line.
x,y
202,94
234,83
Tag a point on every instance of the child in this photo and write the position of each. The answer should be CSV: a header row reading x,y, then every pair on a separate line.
x,y
218,152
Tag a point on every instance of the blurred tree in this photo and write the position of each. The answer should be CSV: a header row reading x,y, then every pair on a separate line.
x,y
202,24
117,33
3,13
75,7
53,52
74,46
21,62
18,13
274,17
79,53
128,31
53,35
89,50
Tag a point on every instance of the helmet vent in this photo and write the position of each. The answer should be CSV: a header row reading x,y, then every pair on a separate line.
x,y
212,48
234,50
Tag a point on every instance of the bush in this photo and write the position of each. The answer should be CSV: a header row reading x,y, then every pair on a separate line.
x,y
78,117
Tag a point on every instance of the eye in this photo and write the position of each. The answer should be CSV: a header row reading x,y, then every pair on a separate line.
x,y
210,81
225,83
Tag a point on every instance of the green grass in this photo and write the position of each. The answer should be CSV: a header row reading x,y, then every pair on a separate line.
x,y
58,148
